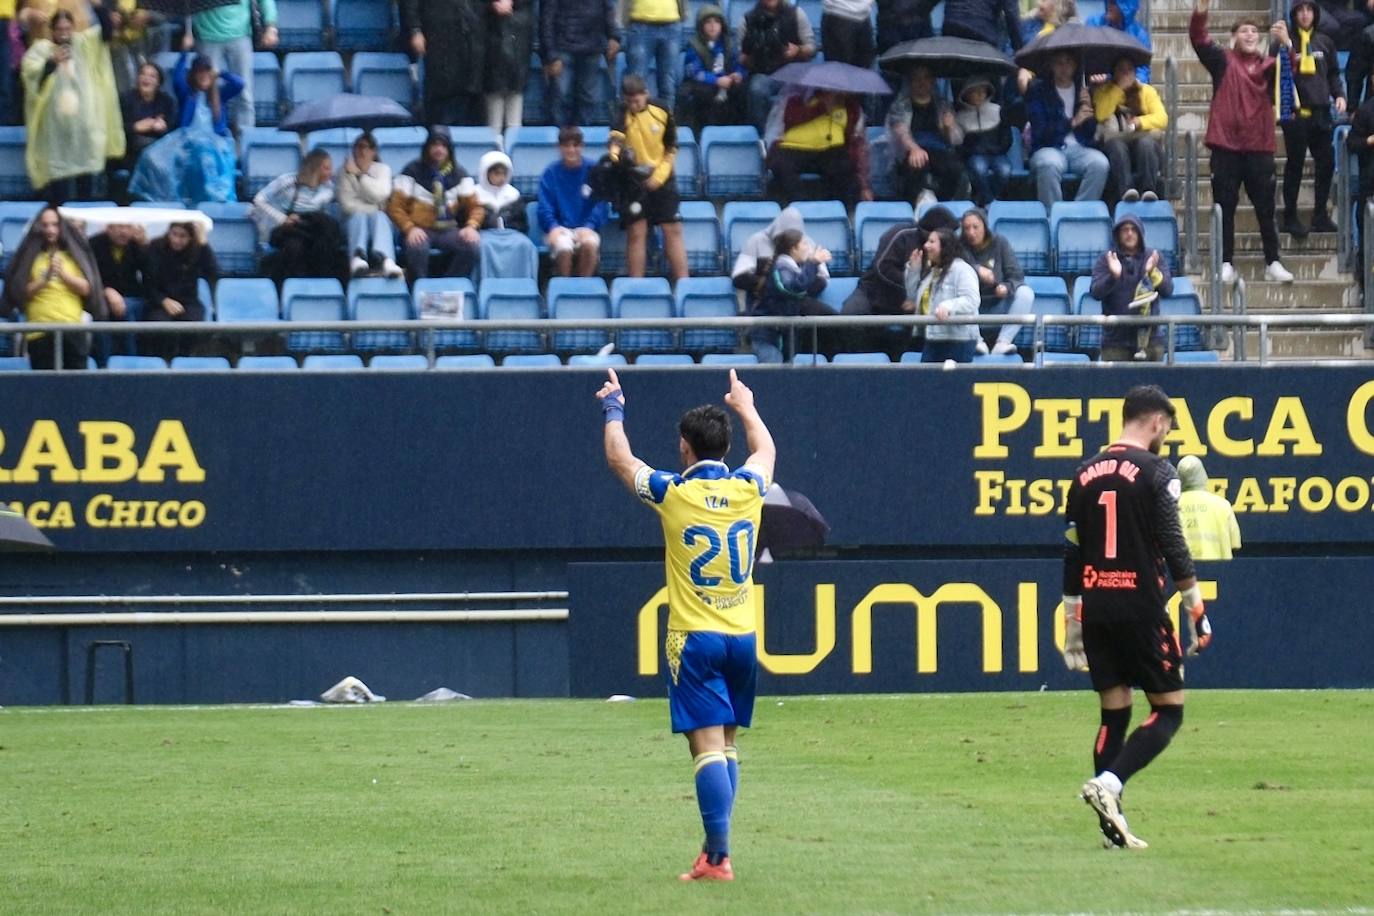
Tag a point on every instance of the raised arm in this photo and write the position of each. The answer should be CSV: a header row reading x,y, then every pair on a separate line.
x,y
762,453
622,461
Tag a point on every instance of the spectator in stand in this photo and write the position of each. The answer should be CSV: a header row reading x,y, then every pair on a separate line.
x,y
1318,87
434,205
901,20
71,109
821,133
139,36
176,264
653,29
1343,20
196,162
755,259
1131,121
364,189
1360,142
291,211
1063,130
121,258
573,37
1045,17
1240,133
449,36
926,138
797,275
774,33
499,199
1129,279
225,35
1120,15
205,86
568,216
979,20
847,31
9,110
941,284
650,135
987,139
149,113
52,278
510,40
712,79
1001,282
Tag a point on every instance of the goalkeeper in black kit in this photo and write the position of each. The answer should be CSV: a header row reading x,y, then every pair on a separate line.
x,y
1123,530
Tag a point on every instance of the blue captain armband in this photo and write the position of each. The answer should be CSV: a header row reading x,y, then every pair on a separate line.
x,y
613,407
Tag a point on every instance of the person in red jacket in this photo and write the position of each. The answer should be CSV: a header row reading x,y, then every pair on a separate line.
x,y
1240,133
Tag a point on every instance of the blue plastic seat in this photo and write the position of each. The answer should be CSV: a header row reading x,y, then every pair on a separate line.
x,y
827,222
383,74
337,141
1051,298
664,359
399,362
515,299
333,362
380,299
300,25
465,361
615,246
363,25
1080,230
158,205
687,165
593,360
313,299
643,297
14,174
267,153
729,359
701,236
308,75
1186,336
596,141
732,160
1089,337
200,363
531,361
267,94
235,237
1067,359
399,146
957,208
246,299
1197,356
579,298
450,340
874,217
838,290
531,150
861,359
998,359
1026,227
809,359
122,363
741,219
470,144
21,363
267,364
707,297
1160,224
15,217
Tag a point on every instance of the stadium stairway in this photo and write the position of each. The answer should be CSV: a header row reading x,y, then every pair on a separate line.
x,y
1319,287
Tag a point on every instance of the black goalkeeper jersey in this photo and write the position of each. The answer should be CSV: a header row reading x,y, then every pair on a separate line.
x,y
1123,529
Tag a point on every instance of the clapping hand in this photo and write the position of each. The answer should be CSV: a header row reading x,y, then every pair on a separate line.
x,y
1152,261
1113,263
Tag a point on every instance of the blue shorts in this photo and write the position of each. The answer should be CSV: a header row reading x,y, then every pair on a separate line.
x,y
711,679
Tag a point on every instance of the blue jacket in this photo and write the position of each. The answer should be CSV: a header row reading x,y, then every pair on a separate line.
x,y
1131,27
1049,123
230,85
565,199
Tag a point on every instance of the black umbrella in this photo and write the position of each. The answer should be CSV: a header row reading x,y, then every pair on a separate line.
x,y
790,521
17,534
180,9
833,76
346,110
1096,47
954,58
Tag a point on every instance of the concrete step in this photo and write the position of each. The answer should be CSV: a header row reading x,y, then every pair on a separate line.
x,y
1247,221
1317,268
1305,344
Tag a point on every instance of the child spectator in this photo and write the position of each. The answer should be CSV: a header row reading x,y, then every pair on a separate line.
x,y
568,216
364,188
1120,15
499,199
649,134
946,288
987,138
797,275
712,78
573,37
434,204
1318,86
176,263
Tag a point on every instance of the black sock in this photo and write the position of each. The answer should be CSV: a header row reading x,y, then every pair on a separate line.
x,y
1110,736
1147,741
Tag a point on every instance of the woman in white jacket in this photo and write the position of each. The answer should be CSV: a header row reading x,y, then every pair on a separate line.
x,y
364,186
941,284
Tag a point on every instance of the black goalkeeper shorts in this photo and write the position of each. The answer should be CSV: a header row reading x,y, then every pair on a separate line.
x,y
1136,652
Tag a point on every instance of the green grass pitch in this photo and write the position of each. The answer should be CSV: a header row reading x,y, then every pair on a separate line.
x,y
858,804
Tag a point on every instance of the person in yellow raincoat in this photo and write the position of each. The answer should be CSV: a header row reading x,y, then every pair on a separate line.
x,y
70,106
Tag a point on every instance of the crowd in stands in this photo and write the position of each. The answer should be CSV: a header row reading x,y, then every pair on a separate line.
x,y
101,122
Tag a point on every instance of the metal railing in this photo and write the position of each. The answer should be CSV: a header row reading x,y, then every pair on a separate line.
x,y
1190,179
1367,270
1347,166
1171,189
1213,271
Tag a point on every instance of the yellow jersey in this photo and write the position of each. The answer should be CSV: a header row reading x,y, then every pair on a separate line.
x,y
710,518
1209,525
55,302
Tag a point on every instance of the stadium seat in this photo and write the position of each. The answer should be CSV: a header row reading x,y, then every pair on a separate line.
x,y
687,165
707,297
1080,230
1067,359
380,299
470,144
333,362
399,146
308,75
838,290
383,74
15,217
200,363
1186,336
536,102
957,208
596,141
1051,298
861,359
267,153
664,359
337,141
246,299
741,219
1197,356
300,26
158,205
1026,227
642,298
465,361
614,246
14,174
592,359
827,222
729,359
1161,226
579,298
363,25
510,300
122,363
1089,337
313,299
449,340
235,237
531,361
399,362
267,92
266,363
998,359
531,150
881,176
809,359
911,358
701,236
871,219
732,160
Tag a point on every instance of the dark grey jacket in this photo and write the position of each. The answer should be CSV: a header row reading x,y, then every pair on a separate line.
x,y
576,27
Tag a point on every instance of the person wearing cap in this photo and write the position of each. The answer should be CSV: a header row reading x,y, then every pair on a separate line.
x,y
1128,279
987,138
1208,521
434,204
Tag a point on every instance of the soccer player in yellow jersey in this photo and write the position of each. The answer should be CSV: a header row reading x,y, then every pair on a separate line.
x,y
710,518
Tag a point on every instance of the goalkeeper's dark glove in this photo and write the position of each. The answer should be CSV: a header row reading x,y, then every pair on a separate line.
x,y
1199,627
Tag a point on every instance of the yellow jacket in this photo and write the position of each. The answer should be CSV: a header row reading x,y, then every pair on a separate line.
x,y
652,134
1109,96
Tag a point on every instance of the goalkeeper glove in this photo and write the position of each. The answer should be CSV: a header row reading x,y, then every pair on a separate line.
x,y
1075,658
1199,627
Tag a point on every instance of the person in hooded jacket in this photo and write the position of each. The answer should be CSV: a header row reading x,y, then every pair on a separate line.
x,y
1130,124
499,199
755,259
434,204
987,138
1128,279
1001,281
796,276
1318,87
712,90
1207,520
1121,15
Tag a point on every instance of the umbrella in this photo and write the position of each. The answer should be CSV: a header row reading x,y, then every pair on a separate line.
x,y
790,521
17,534
954,58
346,110
180,9
833,76
154,220
1097,48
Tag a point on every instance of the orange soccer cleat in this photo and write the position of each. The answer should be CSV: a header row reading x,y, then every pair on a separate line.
x,y
703,870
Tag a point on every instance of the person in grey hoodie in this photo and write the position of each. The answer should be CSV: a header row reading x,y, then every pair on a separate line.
x,y
942,285
987,138
798,274
1001,282
1129,278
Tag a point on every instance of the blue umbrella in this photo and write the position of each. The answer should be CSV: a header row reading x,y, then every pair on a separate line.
x,y
346,110
832,76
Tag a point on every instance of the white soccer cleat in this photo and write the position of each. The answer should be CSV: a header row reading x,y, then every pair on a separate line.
x,y
1277,273
1107,805
1228,273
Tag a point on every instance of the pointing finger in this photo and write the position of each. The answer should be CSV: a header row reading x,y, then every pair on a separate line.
x,y
733,378
614,381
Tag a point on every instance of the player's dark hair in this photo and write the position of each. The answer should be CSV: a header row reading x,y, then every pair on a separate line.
x,y
1143,400
707,430
633,84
